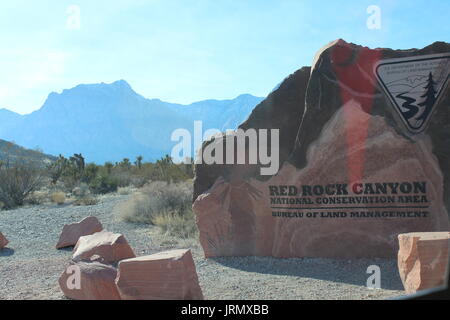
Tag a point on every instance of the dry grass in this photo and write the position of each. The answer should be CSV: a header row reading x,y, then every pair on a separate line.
x,y
83,196
167,205
81,191
124,191
86,201
135,209
58,198
182,226
156,198
38,197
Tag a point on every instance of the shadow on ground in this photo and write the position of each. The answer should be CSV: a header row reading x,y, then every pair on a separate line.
x,y
6,252
340,271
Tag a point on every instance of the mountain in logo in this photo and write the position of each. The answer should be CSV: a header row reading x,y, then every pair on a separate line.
x,y
414,86
414,111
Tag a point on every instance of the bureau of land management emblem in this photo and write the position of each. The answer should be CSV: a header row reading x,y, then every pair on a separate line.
x,y
414,86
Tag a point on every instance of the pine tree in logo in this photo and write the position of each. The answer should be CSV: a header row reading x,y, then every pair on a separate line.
x,y
430,98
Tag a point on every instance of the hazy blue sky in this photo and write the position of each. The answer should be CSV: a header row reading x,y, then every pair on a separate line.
x,y
189,50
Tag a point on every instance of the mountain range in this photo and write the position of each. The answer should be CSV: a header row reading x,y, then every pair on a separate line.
x,y
12,153
109,122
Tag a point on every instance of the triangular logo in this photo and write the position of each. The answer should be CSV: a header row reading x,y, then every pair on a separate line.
x,y
414,86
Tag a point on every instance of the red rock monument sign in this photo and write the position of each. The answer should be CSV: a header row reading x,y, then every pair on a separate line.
x,y
364,157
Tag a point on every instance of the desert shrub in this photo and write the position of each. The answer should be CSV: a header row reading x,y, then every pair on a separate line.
x,y
123,191
56,169
58,197
80,191
123,177
17,181
135,209
165,170
138,181
103,184
86,201
90,173
182,226
167,205
69,182
37,197
83,196
102,179
73,171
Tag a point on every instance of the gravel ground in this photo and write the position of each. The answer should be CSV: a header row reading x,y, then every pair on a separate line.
x,y
30,266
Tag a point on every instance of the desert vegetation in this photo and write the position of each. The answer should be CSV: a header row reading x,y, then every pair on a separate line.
x,y
17,181
161,203
69,173
159,193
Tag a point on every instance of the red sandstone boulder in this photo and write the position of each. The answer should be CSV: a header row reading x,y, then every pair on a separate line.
x,y
340,136
3,241
422,259
168,275
72,232
107,246
240,217
89,281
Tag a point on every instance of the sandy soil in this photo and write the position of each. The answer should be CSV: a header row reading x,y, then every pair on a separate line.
x,y
30,266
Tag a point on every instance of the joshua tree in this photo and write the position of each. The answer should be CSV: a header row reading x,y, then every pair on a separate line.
x,y
125,163
75,168
164,165
56,169
78,160
90,173
139,162
108,166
